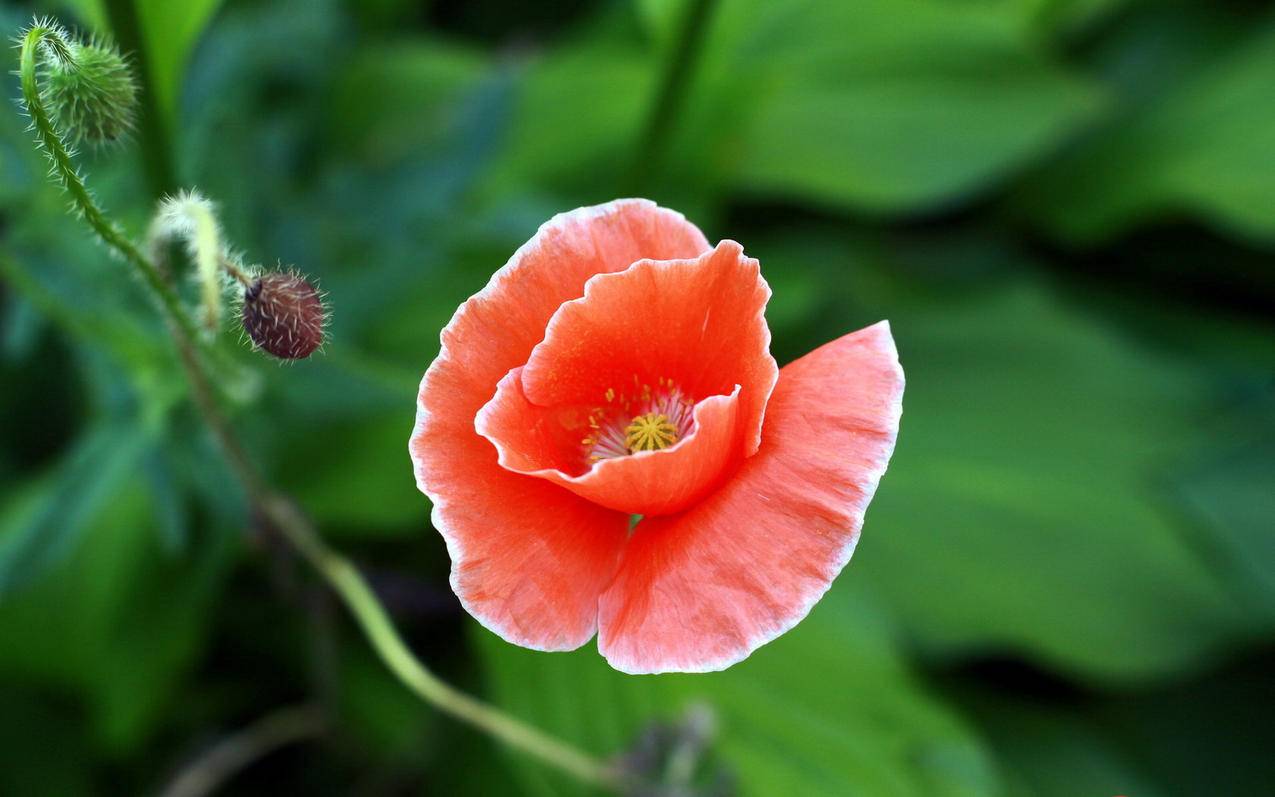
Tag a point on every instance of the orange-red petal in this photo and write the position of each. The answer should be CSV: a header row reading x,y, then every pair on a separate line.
x,y
692,326
699,321
540,441
528,557
701,590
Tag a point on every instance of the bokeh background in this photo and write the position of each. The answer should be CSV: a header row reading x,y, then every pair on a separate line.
x,y
1066,208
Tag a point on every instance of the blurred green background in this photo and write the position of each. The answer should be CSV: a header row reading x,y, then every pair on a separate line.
x,y
1066,208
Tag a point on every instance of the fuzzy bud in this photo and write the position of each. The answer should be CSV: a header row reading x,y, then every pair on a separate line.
x,y
284,315
93,93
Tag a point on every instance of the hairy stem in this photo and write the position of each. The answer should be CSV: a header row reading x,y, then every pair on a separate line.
x,y
278,511
51,141
189,217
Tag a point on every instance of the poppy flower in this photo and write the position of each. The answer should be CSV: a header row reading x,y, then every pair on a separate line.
x,y
618,369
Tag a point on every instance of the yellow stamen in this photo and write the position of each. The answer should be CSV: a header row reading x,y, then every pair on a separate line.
x,y
650,432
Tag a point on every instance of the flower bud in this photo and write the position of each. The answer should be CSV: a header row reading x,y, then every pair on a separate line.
x,y
94,94
284,315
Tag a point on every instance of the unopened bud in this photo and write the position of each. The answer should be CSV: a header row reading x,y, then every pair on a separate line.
x,y
94,93
284,315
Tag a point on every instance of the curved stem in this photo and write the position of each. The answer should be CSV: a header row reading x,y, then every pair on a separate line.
x,y
279,511
69,177
346,580
212,770
349,584
236,273
189,217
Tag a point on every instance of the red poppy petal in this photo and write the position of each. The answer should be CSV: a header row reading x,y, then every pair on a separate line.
x,y
540,441
700,322
700,591
694,328
528,558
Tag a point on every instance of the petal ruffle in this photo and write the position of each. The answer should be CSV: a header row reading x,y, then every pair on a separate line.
x,y
544,441
696,323
701,590
700,322
528,558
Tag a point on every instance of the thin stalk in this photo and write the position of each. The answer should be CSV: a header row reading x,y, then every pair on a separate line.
x,y
69,177
279,511
236,273
679,72
389,645
341,575
216,767
190,217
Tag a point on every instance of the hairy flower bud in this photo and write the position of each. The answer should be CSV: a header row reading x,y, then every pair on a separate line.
x,y
284,315
93,93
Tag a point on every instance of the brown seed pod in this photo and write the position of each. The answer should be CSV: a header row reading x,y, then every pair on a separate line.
x,y
284,315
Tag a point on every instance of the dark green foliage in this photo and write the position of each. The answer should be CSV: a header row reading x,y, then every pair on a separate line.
x,y
1066,209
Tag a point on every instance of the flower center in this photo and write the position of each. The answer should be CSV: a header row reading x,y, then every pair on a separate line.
x,y
647,419
650,432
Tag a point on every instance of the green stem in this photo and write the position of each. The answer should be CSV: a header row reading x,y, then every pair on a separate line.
x,y
348,583
346,580
675,82
66,173
282,515
212,770
171,308
188,216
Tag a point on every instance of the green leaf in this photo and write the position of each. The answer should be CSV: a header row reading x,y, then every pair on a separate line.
x,y
58,295
1233,497
1058,743
1021,508
90,12
406,739
1160,730
1051,17
576,117
21,328
1199,147
1050,751
46,525
34,764
352,479
166,496
1024,509
116,623
882,105
170,31
392,101
829,708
